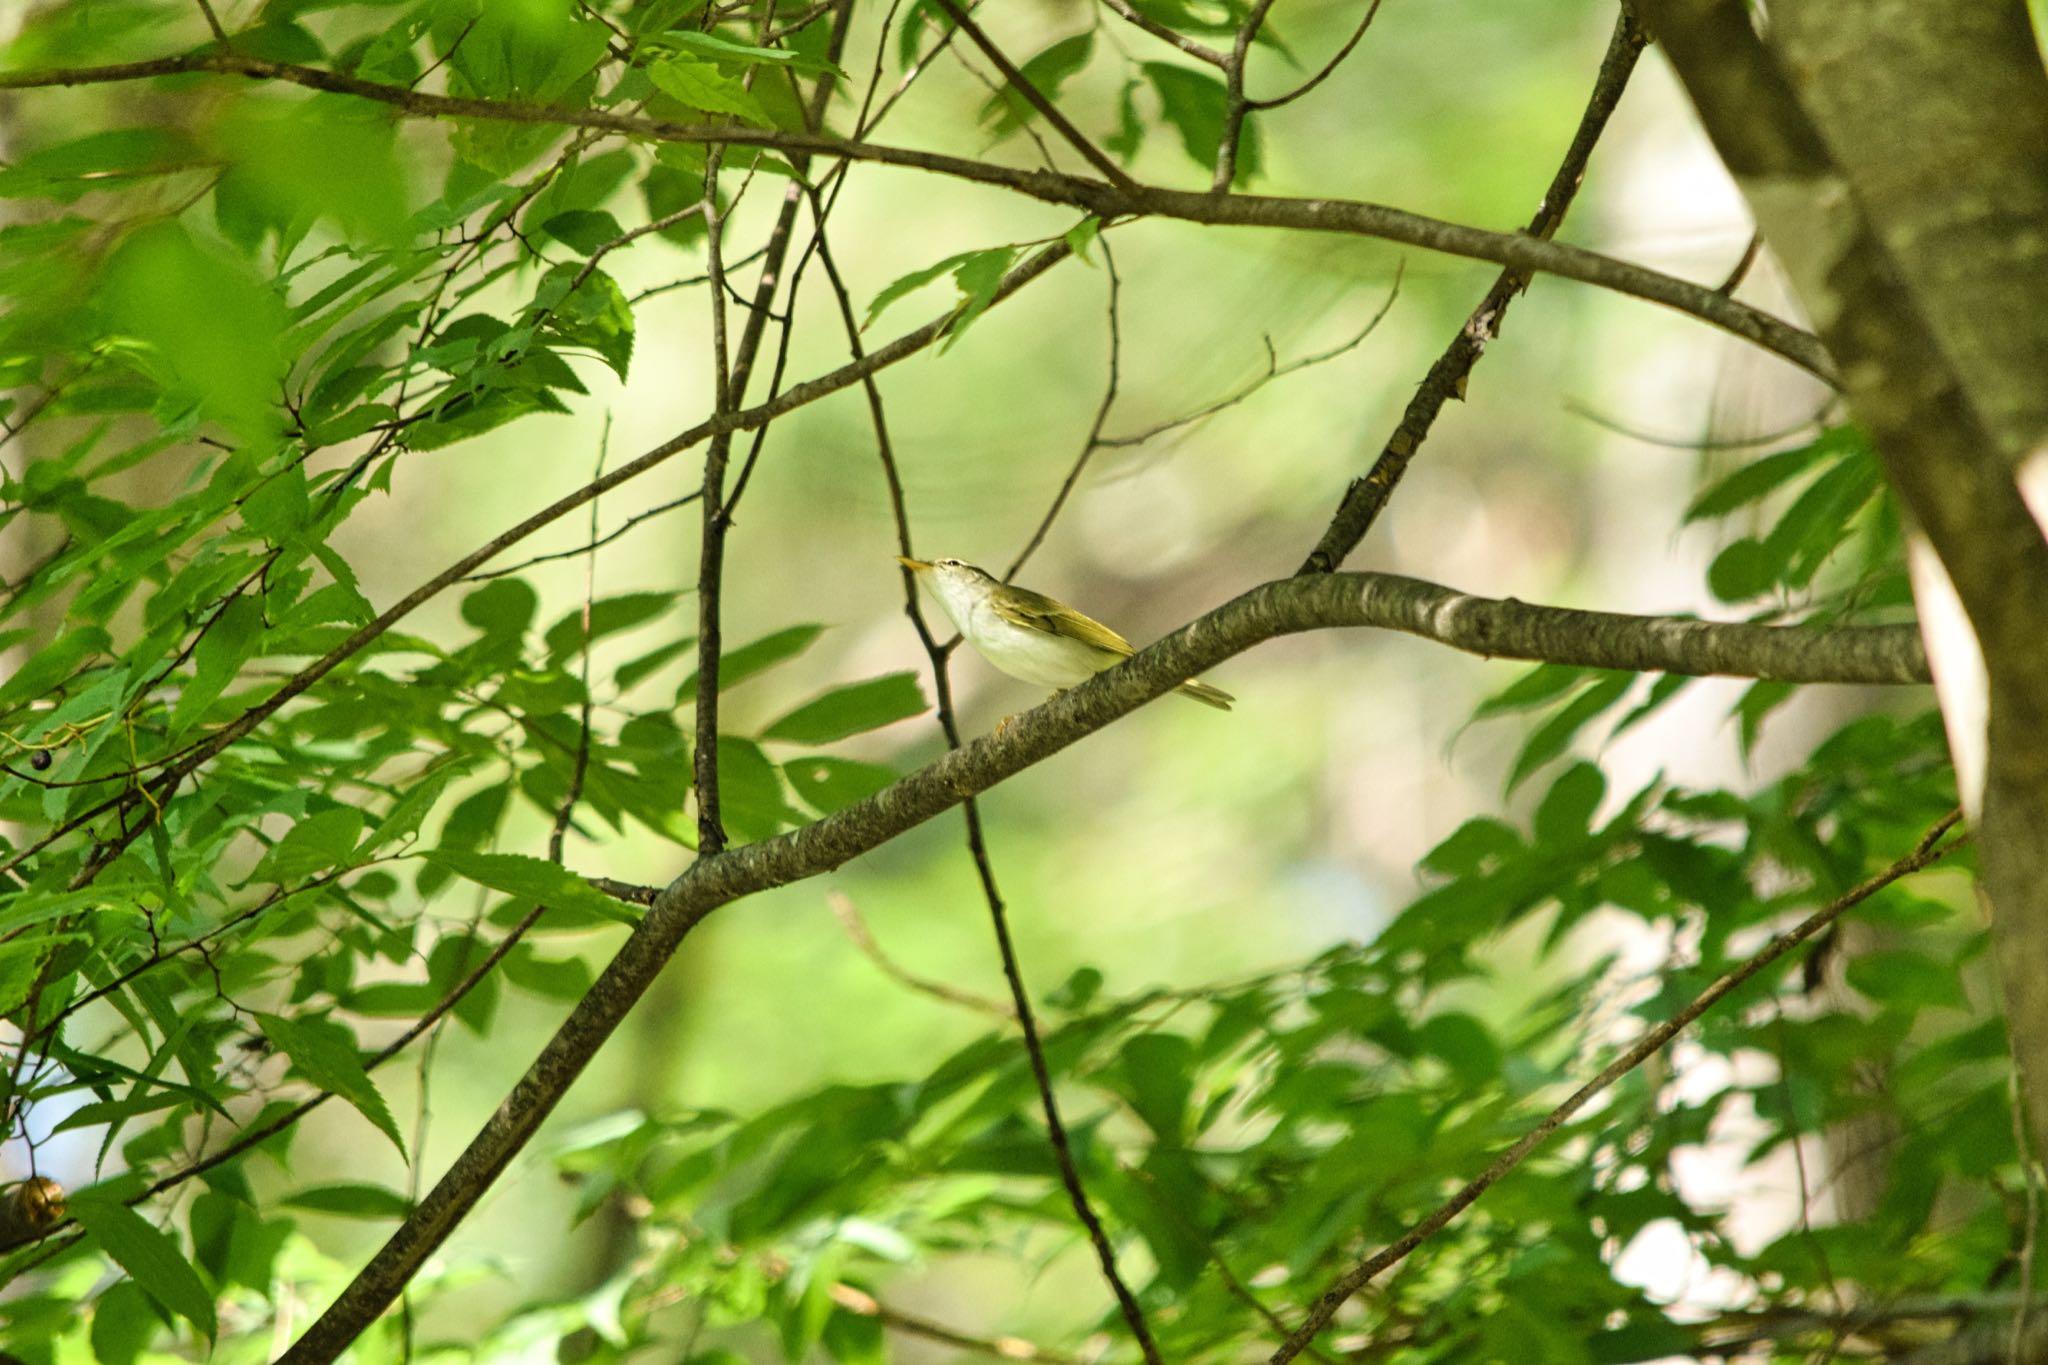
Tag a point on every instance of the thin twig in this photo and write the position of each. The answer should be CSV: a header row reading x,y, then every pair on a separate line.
x,y
910,1324
605,539
1521,251
1929,850
1274,370
848,915
1035,97
1327,69
1742,264
220,34
1094,440
1235,106
1131,15
1367,497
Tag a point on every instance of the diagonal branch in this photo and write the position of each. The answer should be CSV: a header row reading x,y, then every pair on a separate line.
x,y
1364,500
1862,654
1035,97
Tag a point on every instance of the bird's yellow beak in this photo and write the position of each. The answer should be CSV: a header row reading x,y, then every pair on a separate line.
x,y
914,565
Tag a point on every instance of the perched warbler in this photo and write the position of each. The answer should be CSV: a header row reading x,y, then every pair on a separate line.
x,y
1029,635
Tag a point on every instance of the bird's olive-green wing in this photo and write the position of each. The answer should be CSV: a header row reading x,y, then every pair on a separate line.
x,y
1036,611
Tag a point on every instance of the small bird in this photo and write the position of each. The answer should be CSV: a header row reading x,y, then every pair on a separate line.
x,y
1029,635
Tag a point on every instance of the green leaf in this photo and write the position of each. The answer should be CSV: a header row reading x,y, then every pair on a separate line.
x,y
150,1257
595,315
915,280
350,1201
832,784
123,1323
1566,814
209,325
851,710
501,607
750,790
979,277
720,46
530,879
584,230
1195,103
1082,235
314,845
634,671
1537,686
1158,1072
1554,735
757,656
566,638
701,85
1755,481
326,1055
98,161
1906,980
1007,110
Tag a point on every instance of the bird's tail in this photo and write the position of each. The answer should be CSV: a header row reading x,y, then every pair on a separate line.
x,y
1207,695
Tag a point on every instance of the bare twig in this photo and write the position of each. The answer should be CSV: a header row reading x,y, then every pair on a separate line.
x,y
1364,500
605,539
977,848
1131,15
848,915
1035,97
1093,442
1742,264
1327,69
220,34
1235,106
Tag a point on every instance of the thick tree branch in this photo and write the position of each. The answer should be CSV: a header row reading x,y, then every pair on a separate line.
x,y
1858,654
1105,200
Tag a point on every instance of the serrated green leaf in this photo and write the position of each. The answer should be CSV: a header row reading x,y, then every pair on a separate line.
x,y
326,1055
915,280
1195,103
701,85
222,651
150,1257
851,710
979,277
316,844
